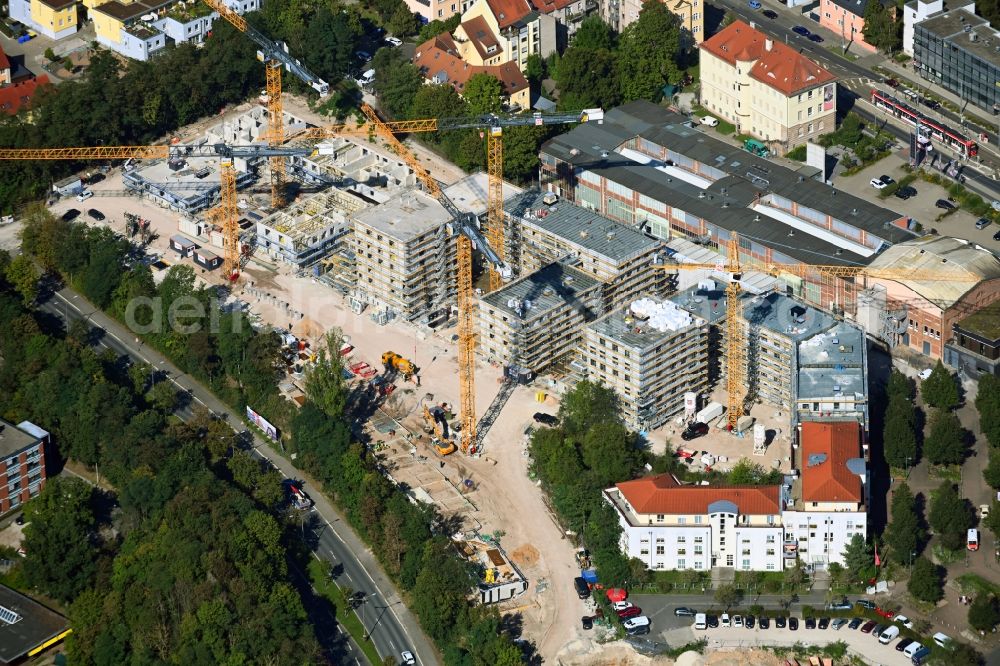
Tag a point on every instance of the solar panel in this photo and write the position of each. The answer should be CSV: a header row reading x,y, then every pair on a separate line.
x,y
7,616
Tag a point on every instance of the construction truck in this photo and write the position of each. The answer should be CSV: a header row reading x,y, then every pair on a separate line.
x,y
393,362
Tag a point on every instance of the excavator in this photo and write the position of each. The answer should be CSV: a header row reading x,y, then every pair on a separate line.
x,y
437,422
394,363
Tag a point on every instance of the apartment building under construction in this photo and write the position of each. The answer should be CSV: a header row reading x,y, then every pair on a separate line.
x,y
541,229
307,231
538,320
651,353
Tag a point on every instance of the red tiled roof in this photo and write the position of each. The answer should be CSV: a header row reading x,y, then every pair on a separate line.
x,y
662,494
780,66
14,97
4,62
440,56
508,12
546,6
829,480
479,33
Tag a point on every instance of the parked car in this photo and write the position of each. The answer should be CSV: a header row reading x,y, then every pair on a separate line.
x,y
840,605
995,205
633,611
393,41
931,104
864,603
941,640
712,621
904,621
892,83
694,430
764,623
886,179
793,624
754,4
749,621
587,621
905,192
637,630
878,184
633,622
838,623
83,196
96,214
619,606
867,627
71,214
582,589
801,30
684,611
406,658
545,419
888,635
877,630
824,622
20,519
710,121
996,236
770,14
738,621
855,623
95,178
903,644
780,622
810,623
363,55
982,223
813,37
724,620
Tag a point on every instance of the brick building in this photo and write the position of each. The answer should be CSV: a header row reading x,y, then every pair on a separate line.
x,y
22,463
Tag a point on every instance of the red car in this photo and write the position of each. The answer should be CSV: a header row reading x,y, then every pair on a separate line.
x,y
634,611
886,613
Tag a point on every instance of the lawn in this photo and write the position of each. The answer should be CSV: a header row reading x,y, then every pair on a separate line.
x,y
347,619
972,583
724,127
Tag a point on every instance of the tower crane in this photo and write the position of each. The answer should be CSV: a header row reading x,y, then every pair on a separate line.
x,y
493,125
734,338
226,212
275,56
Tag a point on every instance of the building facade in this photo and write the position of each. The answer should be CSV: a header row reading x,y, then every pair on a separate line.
x,y
22,463
55,19
308,230
974,348
650,354
767,89
916,11
439,60
538,320
959,51
846,19
620,14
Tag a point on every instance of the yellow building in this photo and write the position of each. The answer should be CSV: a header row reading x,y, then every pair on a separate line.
x,y
53,18
517,30
439,61
767,89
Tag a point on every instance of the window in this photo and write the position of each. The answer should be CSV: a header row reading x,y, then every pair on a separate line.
x,y
659,550
770,551
697,564
681,520
697,521
698,539
681,563
682,551
659,517
770,566
644,551
729,560
699,550
681,539
770,538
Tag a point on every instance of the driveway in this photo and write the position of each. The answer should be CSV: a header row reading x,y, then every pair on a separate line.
x,y
863,645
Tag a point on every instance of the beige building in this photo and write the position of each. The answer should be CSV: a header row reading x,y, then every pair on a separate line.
x,y
538,319
651,354
541,229
520,31
619,14
766,88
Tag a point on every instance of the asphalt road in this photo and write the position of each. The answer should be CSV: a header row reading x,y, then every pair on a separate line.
x,y
390,624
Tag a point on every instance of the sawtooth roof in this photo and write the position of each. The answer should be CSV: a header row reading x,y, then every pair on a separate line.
x,y
941,253
826,448
775,64
663,494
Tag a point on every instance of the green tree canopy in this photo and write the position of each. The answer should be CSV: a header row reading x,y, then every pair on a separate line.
x,y
20,272
984,613
949,516
587,79
728,595
940,388
594,34
324,380
881,29
649,51
945,445
988,405
905,535
925,581
859,559
483,94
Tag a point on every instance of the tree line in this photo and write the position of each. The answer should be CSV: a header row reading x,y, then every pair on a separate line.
x,y
187,562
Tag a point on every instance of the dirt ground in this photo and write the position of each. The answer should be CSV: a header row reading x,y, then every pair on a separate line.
x,y
620,654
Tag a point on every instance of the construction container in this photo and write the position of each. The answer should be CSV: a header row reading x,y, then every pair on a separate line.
x,y
182,246
710,412
189,227
207,259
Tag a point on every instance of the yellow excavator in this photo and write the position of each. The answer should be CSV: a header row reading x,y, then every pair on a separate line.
x,y
393,362
436,418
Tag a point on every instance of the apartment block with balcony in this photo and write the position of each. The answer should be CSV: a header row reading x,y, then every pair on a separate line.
x,y
768,89
650,354
538,320
22,463
542,229
672,526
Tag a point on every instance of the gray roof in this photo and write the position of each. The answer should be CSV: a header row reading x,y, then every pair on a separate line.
x,y
785,315
549,287
582,227
959,27
726,202
636,335
709,304
37,625
13,440
832,362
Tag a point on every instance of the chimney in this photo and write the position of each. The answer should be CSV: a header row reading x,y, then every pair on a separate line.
x,y
768,43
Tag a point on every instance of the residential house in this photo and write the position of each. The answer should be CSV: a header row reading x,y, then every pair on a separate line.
x,y
22,463
18,96
5,68
620,14
768,89
439,60
55,19
568,14
846,18
917,11
521,29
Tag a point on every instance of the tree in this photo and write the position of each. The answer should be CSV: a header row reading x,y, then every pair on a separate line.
x,y
331,43
534,70
728,595
794,577
520,152
60,558
992,470
163,396
898,432
925,581
748,473
325,380
881,30
483,94
649,51
397,81
984,613
992,522
904,535
940,389
437,27
859,559
50,55
586,79
899,384
20,272
988,405
403,22
949,516
586,405
594,34
945,445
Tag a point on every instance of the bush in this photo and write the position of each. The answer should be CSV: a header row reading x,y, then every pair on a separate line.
x,y
798,153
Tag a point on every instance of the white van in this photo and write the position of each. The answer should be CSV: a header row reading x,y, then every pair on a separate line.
x,y
942,640
972,539
912,649
700,621
632,623
83,196
888,635
367,78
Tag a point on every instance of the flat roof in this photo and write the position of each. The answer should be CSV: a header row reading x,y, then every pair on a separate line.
x,y
706,300
471,193
182,184
551,286
782,314
958,28
37,625
637,334
985,323
405,216
12,440
832,362
181,240
589,230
